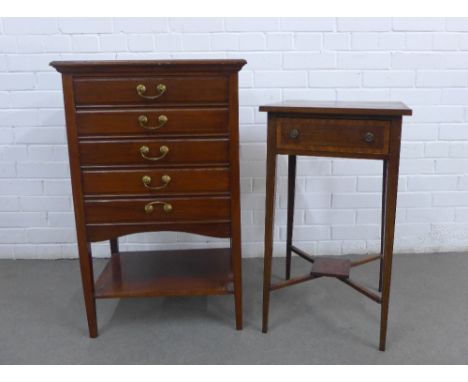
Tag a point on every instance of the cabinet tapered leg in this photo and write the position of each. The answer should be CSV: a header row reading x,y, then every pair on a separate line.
x,y
238,304
269,222
237,269
114,245
87,278
290,217
382,225
391,172
236,249
116,268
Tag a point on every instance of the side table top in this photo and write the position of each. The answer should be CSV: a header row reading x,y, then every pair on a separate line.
x,y
339,108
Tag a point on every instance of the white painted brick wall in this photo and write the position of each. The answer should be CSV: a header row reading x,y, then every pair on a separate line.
x,y
421,61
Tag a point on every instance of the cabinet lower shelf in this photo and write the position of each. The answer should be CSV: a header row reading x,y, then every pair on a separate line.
x,y
166,273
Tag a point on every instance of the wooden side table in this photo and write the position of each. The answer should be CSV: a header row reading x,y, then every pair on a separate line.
x,y
370,130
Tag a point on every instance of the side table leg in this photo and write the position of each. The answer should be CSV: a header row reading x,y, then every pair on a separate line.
x,y
269,225
290,218
392,165
382,226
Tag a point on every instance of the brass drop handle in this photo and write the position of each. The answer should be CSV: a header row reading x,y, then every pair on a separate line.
x,y
149,208
144,150
143,120
369,137
141,90
294,133
166,179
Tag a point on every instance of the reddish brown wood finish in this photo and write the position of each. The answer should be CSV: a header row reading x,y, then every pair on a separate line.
x,y
204,180
190,209
180,121
269,216
122,91
147,67
339,108
166,273
391,190
331,267
236,258
292,161
337,130
216,228
196,117
181,152
114,246
84,246
332,135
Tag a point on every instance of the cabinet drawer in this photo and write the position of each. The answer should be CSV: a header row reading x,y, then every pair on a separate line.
x,y
333,135
156,181
152,122
153,152
157,210
150,90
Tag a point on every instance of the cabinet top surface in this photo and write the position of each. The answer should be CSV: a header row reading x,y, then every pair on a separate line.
x,y
339,108
125,65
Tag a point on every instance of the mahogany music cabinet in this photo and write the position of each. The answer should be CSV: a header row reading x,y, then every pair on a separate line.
x,y
153,146
370,130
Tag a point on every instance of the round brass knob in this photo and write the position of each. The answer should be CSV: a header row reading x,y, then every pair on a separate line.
x,y
142,120
167,207
149,208
294,133
141,88
162,119
161,88
146,179
369,137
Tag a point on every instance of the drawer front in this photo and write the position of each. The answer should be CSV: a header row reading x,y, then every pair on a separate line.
x,y
150,90
156,181
154,152
333,135
152,122
157,210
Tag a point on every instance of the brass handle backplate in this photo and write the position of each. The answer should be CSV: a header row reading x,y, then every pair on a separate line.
x,y
166,179
294,133
149,208
141,90
369,137
144,150
143,121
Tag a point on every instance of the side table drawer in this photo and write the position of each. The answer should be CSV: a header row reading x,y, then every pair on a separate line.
x,y
333,135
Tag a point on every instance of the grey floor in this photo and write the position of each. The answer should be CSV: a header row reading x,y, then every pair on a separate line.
x,y
42,319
